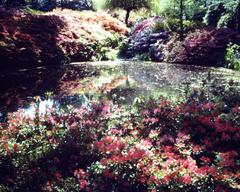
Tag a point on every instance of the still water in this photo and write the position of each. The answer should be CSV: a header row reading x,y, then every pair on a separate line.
x,y
78,84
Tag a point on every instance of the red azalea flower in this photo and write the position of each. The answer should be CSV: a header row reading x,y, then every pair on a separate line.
x,y
186,179
57,176
83,184
15,148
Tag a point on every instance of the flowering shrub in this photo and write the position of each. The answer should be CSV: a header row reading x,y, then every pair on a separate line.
x,y
146,40
56,37
190,145
101,18
202,47
25,39
147,24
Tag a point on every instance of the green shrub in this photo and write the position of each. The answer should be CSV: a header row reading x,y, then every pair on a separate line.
x,y
143,57
172,25
226,21
214,13
193,10
108,49
233,56
222,13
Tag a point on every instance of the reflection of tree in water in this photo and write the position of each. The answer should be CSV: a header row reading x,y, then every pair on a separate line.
x,y
19,86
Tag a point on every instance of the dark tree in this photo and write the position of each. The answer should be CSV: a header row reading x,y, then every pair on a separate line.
x,y
127,5
49,5
181,19
238,16
15,3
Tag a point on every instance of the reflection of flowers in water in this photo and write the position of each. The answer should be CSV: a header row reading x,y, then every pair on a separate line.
x,y
1,117
42,107
46,106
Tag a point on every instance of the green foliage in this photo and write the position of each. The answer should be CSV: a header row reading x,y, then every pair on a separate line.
x,y
123,4
172,24
127,5
192,8
218,13
179,11
233,56
169,8
108,49
226,20
222,13
167,25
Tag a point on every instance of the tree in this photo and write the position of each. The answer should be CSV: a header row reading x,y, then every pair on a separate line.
x,y
223,13
62,4
181,20
177,11
127,5
15,3
238,17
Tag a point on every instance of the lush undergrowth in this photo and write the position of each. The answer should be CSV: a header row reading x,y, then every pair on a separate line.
x,y
188,145
57,37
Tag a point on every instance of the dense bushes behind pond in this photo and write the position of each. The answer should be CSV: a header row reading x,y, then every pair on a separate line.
x,y
56,37
146,42
202,47
187,145
151,39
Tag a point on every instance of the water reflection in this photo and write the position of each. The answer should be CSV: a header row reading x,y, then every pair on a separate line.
x,y
41,107
44,106
80,83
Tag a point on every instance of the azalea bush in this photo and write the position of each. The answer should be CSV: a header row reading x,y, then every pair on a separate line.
x,y
191,144
23,43
147,40
202,47
56,37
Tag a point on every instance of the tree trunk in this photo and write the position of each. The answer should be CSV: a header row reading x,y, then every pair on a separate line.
x,y
127,16
238,17
61,4
181,20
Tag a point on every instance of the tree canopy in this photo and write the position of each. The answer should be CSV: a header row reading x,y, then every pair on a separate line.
x,y
127,5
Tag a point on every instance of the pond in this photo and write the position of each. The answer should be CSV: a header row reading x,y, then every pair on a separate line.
x,y
120,81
